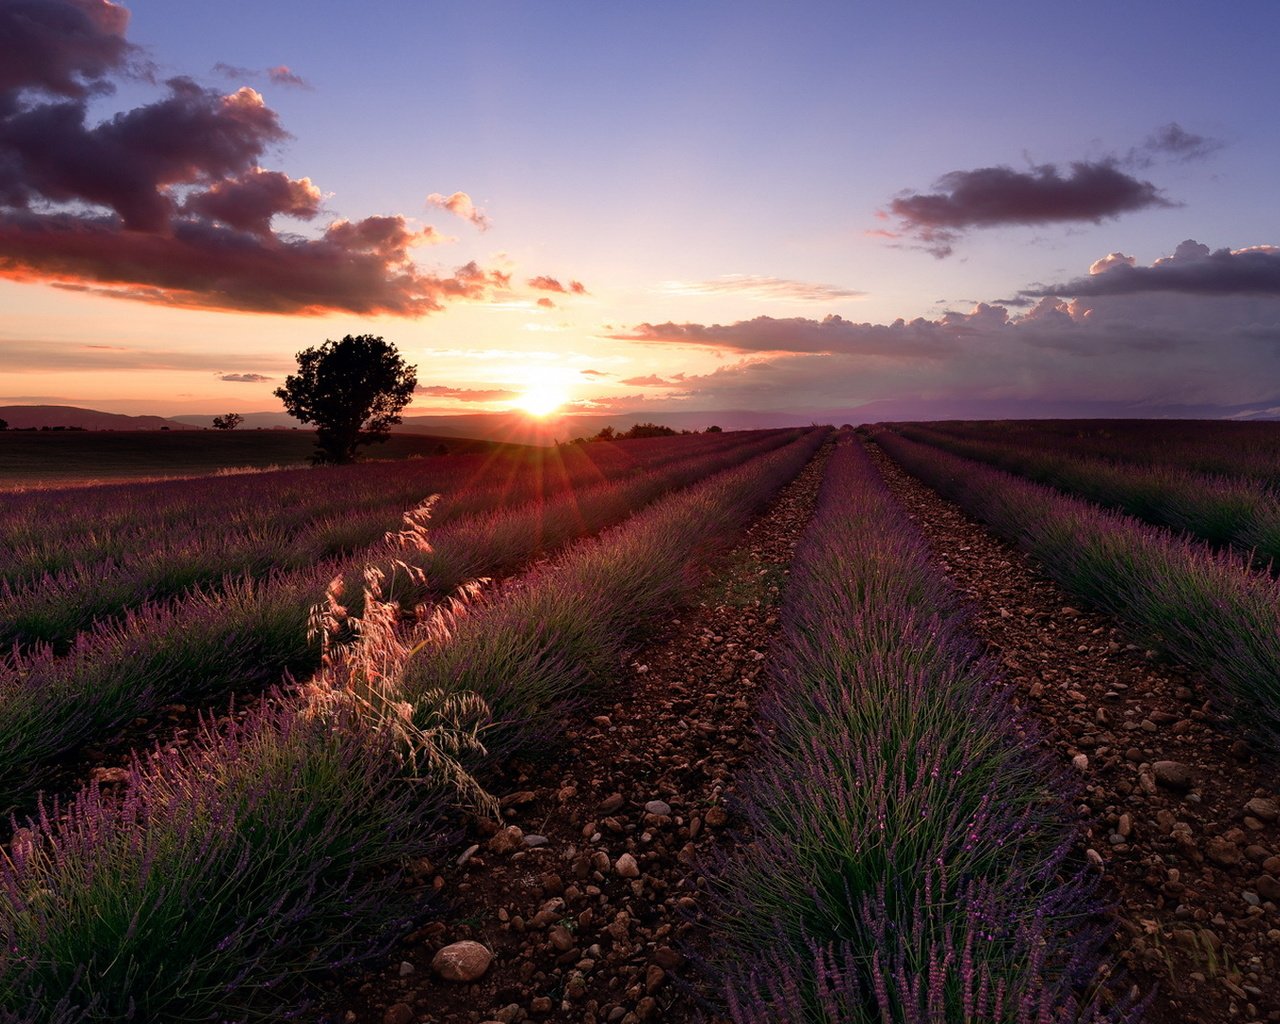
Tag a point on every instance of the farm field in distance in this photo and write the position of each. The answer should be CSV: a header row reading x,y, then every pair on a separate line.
x,y
49,457
955,721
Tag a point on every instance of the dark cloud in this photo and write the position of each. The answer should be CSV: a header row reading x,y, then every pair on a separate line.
x,y
460,205
167,202
992,196
551,284
129,163
63,47
466,394
250,201
244,378
1192,270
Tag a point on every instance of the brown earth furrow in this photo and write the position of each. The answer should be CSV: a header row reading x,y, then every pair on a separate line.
x,y
585,898
1177,812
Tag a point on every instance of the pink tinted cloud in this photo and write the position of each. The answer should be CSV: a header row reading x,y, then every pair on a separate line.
x,y
551,284
761,287
168,203
460,205
251,200
992,196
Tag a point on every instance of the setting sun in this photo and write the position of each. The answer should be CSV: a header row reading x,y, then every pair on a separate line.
x,y
546,392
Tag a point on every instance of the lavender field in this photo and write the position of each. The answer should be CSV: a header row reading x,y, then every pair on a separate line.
x,y
922,722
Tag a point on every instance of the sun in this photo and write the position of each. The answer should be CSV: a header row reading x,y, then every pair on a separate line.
x,y
545,392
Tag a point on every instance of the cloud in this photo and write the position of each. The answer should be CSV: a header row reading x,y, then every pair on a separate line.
x,y
1198,329
1173,142
595,374
245,378
993,196
460,205
1192,270
19,356
281,74
551,284
63,47
652,380
466,394
917,338
546,303
767,288
250,201
168,203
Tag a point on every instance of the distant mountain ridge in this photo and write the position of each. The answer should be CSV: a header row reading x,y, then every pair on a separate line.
x,y
24,417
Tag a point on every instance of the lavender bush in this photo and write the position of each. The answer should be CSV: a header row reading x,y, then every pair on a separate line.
x,y
908,853
1222,510
251,633
1209,609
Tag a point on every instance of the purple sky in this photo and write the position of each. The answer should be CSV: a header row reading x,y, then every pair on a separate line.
x,y
799,209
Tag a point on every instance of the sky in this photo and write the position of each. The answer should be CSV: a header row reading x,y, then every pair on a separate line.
x,y
805,208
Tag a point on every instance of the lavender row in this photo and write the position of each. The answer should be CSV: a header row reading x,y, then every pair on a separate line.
x,y
252,633
267,851
47,531
1210,610
1241,450
907,853
556,641
55,607
1221,510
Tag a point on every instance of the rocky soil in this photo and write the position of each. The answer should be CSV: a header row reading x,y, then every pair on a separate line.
x,y
581,904
1177,812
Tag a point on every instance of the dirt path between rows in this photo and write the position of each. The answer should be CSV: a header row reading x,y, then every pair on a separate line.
x,y
1177,812
586,897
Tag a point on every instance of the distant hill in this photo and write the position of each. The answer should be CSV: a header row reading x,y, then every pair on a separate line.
x,y
518,428
24,417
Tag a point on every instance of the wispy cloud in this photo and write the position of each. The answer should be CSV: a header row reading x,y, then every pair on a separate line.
x,y
652,380
281,74
1173,142
245,378
460,205
466,394
19,356
764,288
994,196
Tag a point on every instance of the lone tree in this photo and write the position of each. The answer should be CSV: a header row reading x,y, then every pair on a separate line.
x,y
352,390
228,422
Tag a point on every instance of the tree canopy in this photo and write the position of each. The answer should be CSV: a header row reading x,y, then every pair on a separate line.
x,y
352,390
228,422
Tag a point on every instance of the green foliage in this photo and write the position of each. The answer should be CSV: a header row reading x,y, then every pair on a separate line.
x,y
352,390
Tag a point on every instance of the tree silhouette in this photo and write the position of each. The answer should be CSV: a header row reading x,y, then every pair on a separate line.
x,y
352,390
228,422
